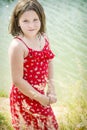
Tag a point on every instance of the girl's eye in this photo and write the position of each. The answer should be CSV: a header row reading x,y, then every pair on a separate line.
x,y
35,19
25,21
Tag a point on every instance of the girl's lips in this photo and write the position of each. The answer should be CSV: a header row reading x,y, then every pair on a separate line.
x,y
32,29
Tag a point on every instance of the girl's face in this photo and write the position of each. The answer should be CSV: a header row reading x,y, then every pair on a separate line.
x,y
29,23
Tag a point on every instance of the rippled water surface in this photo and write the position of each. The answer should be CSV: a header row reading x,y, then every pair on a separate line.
x,y
67,32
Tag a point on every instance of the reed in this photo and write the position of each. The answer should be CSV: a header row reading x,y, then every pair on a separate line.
x,y
4,122
74,114
3,93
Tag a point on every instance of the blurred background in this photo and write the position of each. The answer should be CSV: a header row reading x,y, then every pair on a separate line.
x,y
67,32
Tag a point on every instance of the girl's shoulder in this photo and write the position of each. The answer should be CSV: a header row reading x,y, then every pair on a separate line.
x,y
46,39
15,46
15,43
45,36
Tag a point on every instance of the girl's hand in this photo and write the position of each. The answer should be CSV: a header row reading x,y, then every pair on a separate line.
x,y
51,92
44,100
52,96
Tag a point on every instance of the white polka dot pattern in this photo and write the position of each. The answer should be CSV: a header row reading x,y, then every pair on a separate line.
x,y
26,113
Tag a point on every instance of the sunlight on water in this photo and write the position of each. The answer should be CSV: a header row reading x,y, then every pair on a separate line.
x,y
66,29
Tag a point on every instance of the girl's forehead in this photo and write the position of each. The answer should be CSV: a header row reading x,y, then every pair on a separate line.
x,y
29,13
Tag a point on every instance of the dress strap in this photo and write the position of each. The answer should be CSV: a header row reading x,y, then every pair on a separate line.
x,y
46,38
22,41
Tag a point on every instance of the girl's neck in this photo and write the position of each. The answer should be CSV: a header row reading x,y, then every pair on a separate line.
x,y
34,42
32,39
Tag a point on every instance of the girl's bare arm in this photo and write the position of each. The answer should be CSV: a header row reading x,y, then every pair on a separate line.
x,y
51,87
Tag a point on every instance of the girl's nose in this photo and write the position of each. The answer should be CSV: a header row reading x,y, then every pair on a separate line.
x,y
30,25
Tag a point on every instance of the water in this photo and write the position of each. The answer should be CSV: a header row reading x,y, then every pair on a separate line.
x,y
67,32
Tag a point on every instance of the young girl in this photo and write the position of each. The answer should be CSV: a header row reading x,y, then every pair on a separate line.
x,y
31,69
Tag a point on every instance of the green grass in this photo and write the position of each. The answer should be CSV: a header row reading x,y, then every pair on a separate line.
x,y
74,116
4,122
3,93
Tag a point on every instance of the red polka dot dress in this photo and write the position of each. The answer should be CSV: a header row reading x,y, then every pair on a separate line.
x,y
29,114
